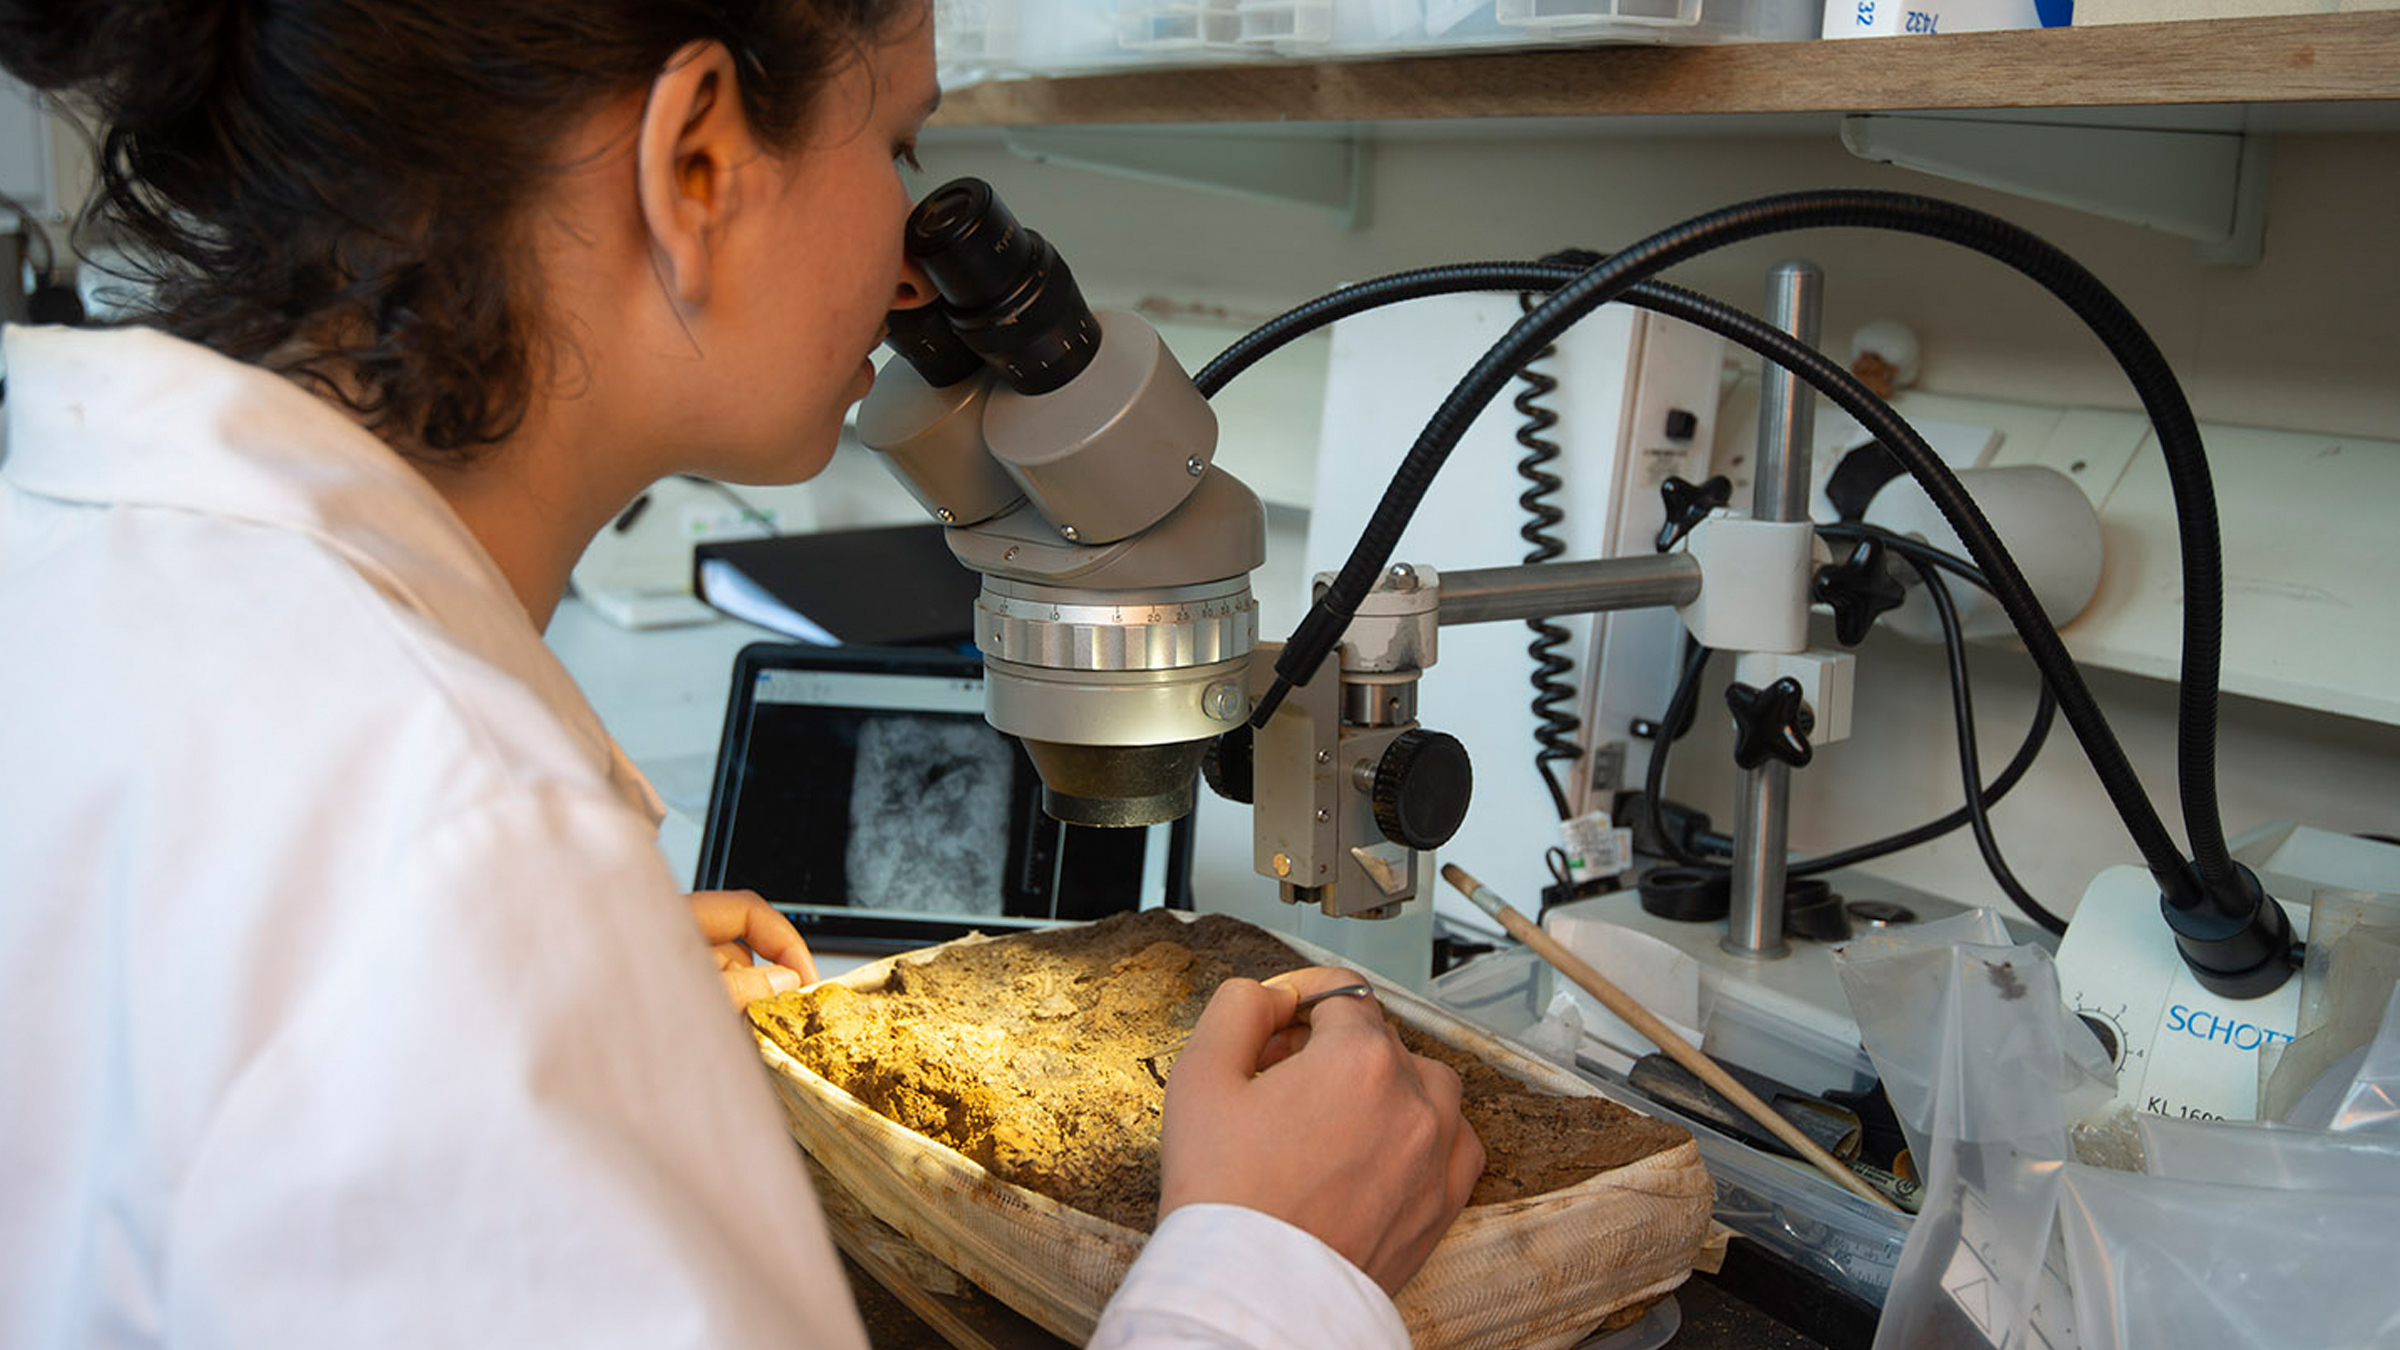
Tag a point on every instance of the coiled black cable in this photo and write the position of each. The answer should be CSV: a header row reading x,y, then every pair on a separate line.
x,y
1828,378
2213,905
1555,726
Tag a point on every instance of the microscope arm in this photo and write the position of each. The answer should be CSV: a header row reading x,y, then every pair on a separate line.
x,y
1541,590
1331,763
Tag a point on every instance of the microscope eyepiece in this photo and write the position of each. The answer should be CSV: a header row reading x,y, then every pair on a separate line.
x,y
976,252
951,210
924,338
1009,295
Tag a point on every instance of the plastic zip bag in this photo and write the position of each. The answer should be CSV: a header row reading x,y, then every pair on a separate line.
x,y
2353,962
2372,1103
2160,1262
1986,1069
2237,1236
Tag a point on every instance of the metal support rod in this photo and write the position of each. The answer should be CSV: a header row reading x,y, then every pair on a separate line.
x,y
1787,409
1762,801
1540,590
1786,429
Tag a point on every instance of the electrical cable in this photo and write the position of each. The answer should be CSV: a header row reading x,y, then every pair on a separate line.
x,y
2216,914
1681,707
1910,547
2010,774
1328,616
1554,726
1962,707
1686,698
1750,332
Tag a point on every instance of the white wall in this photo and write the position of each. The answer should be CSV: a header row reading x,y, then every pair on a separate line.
x,y
2057,828
2308,338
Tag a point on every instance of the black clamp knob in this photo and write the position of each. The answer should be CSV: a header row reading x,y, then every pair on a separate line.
x,y
1228,762
1422,785
1770,723
1860,588
1688,504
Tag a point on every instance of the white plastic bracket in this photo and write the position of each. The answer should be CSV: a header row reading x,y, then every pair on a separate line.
x,y
1754,578
2209,186
1302,168
1826,679
1397,627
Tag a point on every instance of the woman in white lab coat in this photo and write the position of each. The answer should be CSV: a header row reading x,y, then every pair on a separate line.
x,y
348,999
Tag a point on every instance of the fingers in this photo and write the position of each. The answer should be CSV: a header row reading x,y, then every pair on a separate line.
x,y
1322,1119
1466,1165
743,917
1313,980
1232,1034
739,924
1463,1161
1316,980
1283,1045
1293,1032
1442,1087
746,984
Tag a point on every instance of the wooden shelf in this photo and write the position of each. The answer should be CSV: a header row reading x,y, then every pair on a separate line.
x,y
2327,58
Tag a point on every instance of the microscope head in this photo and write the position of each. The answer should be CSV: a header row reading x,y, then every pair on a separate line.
x,y
1072,458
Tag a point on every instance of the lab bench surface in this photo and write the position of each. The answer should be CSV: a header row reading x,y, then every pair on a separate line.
x,y
909,1301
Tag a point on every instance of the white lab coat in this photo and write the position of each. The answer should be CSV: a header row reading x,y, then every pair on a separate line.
x,y
347,999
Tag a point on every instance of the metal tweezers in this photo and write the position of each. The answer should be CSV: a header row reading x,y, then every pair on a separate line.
x,y
1338,991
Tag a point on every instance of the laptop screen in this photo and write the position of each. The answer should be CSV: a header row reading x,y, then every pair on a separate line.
x,y
861,792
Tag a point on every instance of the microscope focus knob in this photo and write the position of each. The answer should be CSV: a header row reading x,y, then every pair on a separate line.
x,y
1227,765
1770,723
1421,788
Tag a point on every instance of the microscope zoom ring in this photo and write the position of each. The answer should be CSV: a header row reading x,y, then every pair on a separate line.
x,y
1169,636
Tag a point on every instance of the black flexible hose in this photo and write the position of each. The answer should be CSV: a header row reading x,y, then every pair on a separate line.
x,y
1620,276
1892,428
2000,577
1838,385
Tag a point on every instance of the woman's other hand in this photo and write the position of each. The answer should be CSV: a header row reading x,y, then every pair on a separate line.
x,y
1329,1124
739,926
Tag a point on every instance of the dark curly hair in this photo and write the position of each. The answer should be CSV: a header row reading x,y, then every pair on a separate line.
x,y
331,188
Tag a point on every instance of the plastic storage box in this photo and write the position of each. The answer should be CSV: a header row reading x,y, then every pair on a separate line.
x,y
984,39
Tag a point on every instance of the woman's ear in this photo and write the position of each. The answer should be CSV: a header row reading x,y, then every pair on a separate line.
x,y
692,140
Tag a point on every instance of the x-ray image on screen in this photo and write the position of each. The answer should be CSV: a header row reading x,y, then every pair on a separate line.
x,y
929,811
865,796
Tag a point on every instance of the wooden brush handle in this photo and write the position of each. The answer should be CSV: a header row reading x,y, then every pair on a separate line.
x,y
1673,1045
